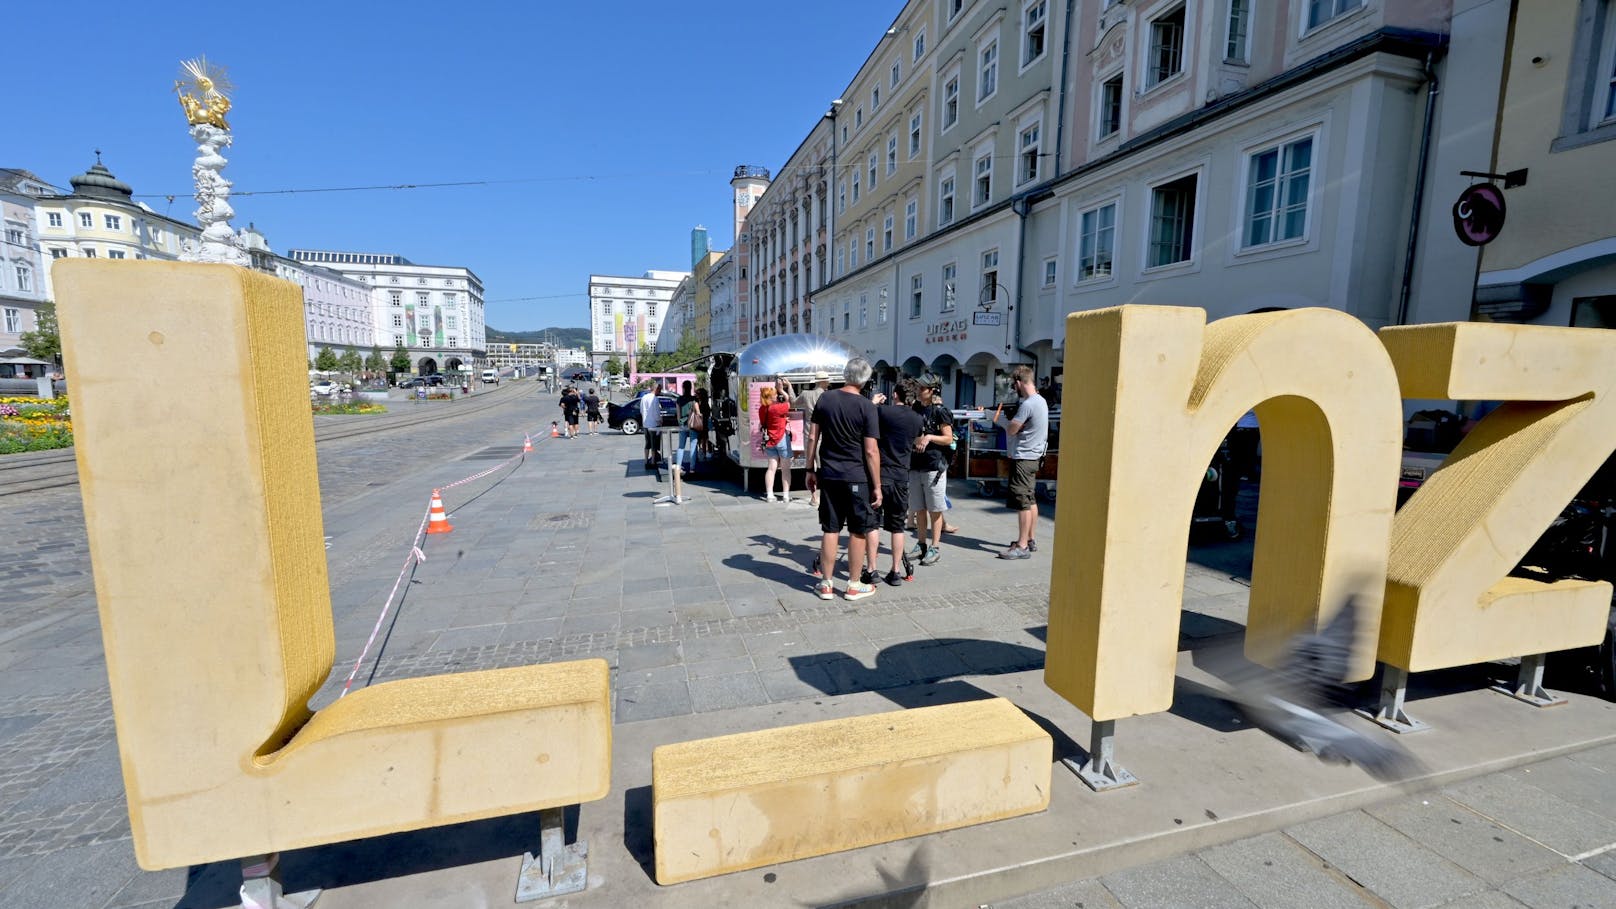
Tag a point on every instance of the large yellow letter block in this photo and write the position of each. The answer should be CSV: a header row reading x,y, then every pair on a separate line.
x,y
1448,600
1150,392
195,450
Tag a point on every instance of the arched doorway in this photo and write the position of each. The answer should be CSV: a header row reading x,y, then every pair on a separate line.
x,y
427,366
913,366
453,364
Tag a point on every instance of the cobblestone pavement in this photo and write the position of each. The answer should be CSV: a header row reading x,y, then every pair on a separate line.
x,y
701,607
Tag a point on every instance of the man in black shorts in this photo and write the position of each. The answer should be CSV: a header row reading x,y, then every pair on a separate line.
x,y
900,425
592,412
842,446
569,410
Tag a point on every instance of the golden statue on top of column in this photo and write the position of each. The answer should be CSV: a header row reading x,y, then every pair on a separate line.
x,y
202,91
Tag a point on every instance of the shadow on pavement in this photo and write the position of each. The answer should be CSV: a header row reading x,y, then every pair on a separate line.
x,y
216,885
638,836
901,667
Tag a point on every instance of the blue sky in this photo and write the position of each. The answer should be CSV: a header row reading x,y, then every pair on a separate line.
x,y
625,120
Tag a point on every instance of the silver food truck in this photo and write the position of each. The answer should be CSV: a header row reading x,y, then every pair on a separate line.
x,y
759,365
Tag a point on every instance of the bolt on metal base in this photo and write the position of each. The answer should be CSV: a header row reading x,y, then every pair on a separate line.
x,y
1528,685
558,869
1101,771
261,885
1390,713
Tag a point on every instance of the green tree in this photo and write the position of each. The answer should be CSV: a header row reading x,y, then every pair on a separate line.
x,y
376,362
401,359
325,360
350,361
43,343
614,366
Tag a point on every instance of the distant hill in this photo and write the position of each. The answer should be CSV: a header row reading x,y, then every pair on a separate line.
x,y
561,337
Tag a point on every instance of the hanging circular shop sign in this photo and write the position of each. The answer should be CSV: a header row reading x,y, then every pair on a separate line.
x,y
1478,216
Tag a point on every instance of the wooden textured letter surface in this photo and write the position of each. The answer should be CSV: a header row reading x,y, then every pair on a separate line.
x,y
1150,392
1448,602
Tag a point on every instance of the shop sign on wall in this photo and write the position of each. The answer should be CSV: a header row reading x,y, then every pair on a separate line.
x,y
946,330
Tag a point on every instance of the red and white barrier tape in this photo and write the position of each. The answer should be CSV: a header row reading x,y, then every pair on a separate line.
x,y
416,555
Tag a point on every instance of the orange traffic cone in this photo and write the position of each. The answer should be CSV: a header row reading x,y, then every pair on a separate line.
x,y
438,522
555,431
527,444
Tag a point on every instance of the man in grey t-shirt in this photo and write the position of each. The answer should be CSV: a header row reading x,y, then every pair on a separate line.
x,y
1029,440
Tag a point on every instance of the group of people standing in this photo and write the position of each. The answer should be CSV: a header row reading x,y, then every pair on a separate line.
x,y
694,413
572,403
870,459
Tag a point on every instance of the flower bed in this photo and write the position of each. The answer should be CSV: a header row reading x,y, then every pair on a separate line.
x,y
347,407
34,424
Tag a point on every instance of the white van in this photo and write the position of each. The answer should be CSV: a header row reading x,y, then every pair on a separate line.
x,y
490,377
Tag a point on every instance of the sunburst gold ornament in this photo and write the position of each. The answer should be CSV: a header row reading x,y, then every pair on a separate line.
x,y
202,88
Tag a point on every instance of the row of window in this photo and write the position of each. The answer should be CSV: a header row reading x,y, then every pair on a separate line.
x,y
13,320
628,307
86,220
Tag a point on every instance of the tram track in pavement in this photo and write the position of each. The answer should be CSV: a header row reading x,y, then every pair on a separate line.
x,y
35,471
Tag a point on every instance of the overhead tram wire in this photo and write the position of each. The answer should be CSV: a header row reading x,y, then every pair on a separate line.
x,y
451,184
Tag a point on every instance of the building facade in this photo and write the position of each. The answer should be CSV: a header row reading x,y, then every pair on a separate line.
x,y
434,312
787,236
935,187
22,272
100,218
1554,261
625,309
506,355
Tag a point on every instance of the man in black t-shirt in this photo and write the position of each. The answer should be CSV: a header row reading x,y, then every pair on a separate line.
x,y
842,446
592,412
569,410
928,469
900,424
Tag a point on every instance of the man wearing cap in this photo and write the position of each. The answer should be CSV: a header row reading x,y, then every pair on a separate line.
x,y
806,402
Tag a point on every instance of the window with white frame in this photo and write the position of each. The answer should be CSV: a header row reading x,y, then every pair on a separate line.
x,y
86,219
858,118
54,219
1172,221
841,196
846,316
1097,228
881,307
1028,153
58,252
449,322
954,8
874,158
14,236
1602,103
1278,180
422,298
875,99
13,320
1050,269
1236,46
951,86
114,254
911,218
25,278
886,233
398,320
897,72
856,179
945,201
841,261
916,286
864,311
1166,58
89,252
982,179
852,254
1110,106
950,286
914,135
920,45
987,71
892,154
1034,28
990,278
869,244
1322,11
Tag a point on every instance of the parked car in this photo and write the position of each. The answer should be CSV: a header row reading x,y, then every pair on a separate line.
x,y
325,388
626,417
422,381
490,377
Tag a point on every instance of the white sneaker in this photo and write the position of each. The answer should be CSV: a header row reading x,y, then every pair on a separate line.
x,y
786,500
771,498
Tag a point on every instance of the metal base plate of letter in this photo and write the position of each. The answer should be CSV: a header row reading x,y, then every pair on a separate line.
x,y
557,870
